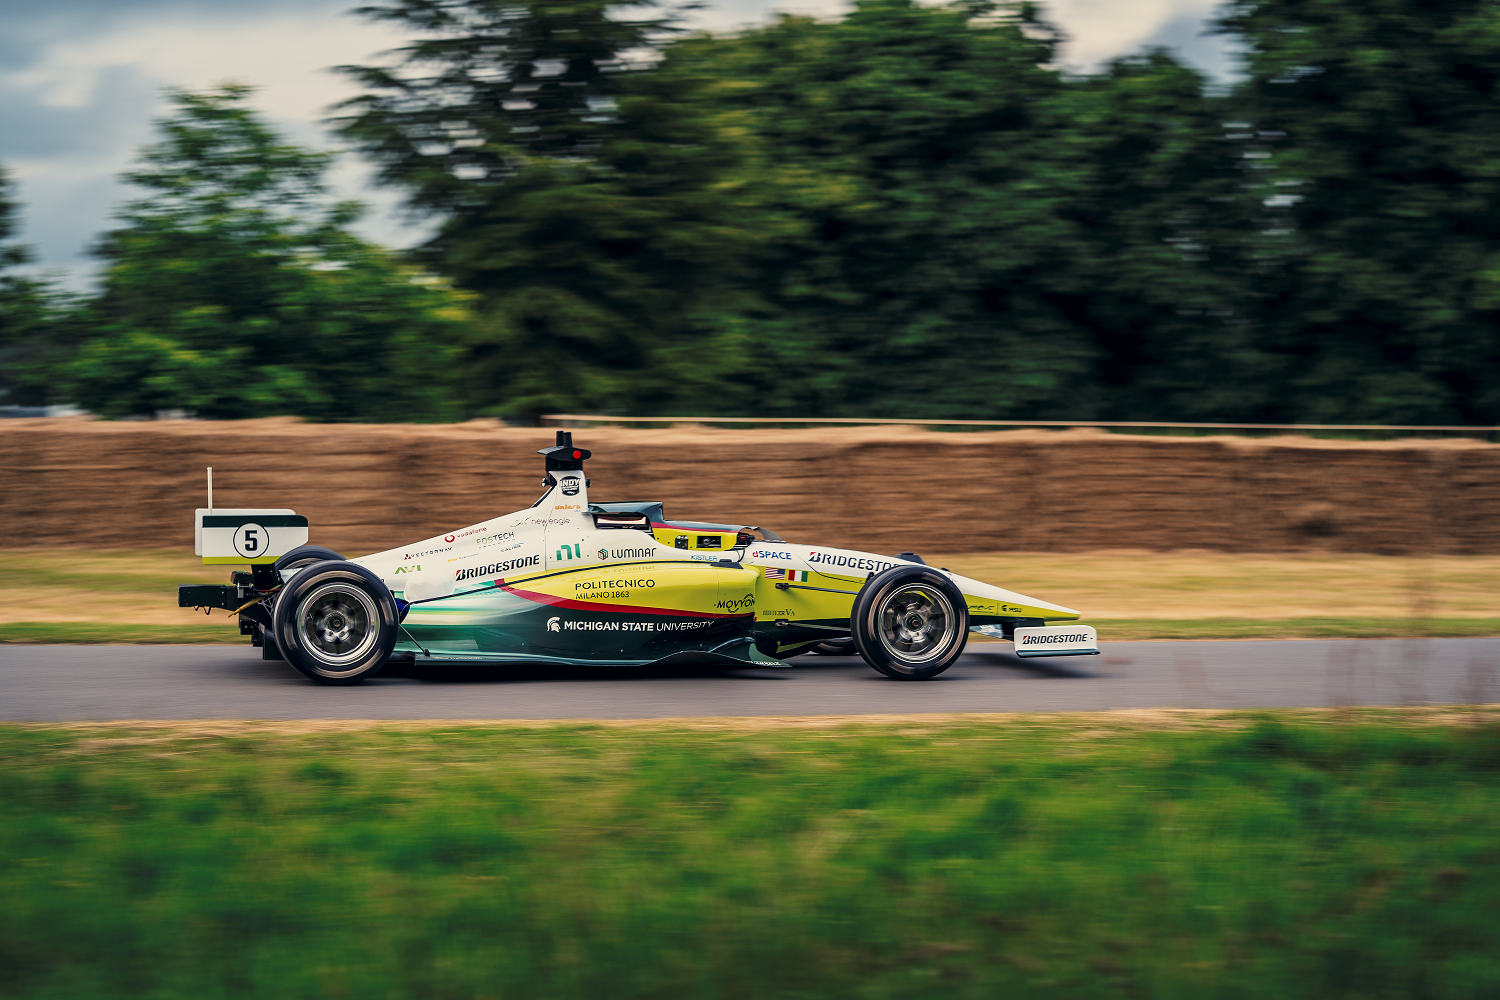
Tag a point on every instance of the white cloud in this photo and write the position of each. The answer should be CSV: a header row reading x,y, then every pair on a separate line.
x,y
287,56
1100,30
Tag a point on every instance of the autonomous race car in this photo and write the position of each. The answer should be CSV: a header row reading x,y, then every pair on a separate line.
x,y
569,581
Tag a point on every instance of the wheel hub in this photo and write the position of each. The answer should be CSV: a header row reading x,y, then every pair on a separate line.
x,y
339,624
916,622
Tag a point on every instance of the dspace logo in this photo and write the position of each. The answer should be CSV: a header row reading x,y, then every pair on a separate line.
x,y
554,625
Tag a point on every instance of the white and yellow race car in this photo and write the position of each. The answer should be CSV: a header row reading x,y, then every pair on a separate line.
x,y
569,581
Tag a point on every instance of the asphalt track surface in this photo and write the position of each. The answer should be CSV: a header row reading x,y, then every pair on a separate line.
x,y
82,683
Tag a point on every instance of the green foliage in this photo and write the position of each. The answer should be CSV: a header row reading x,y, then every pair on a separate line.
x,y
1379,140
578,195
902,211
907,211
1261,857
234,290
32,333
966,233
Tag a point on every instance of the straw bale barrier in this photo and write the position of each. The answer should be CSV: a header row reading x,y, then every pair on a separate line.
x,y
79,483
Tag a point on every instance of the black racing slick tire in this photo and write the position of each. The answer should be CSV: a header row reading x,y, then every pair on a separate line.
x,y
305,555
335,622
910,622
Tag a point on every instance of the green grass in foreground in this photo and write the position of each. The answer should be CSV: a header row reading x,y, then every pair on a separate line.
x,y
219,630
977,858
93,633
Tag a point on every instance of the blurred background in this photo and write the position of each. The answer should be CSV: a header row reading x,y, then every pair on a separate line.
x,y
1263,211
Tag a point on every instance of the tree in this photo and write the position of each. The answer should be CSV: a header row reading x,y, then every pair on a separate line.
x,y
29,322
1378,131
572,194
964,232
233,289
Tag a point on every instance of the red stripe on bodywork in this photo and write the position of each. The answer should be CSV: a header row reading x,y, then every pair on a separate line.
x,y
572,605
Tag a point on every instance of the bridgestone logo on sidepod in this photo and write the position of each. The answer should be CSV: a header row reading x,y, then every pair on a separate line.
x,y
850,562
495,569
1032,640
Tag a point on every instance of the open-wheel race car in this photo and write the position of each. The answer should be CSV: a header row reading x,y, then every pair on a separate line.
x,y
568,581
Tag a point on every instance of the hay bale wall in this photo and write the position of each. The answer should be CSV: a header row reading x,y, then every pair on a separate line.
x,y
80,484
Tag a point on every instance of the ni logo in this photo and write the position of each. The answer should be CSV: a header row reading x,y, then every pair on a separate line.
x,y
566,551
554,625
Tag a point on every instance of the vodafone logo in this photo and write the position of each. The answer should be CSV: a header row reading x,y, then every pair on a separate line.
x,y
449,538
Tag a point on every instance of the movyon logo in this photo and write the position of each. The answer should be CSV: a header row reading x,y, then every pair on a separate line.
x,y
554,624
570,486
737,604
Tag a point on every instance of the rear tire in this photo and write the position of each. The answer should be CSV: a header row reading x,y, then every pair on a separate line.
x,y
335,622
910,623
305,555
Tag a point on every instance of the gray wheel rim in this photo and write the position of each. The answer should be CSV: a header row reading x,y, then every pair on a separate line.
x,y
338,624
915,622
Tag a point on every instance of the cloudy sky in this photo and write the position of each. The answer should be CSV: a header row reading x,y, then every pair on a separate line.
x,y
81,81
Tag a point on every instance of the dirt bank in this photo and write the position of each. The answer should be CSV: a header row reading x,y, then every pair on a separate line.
x,y
78,483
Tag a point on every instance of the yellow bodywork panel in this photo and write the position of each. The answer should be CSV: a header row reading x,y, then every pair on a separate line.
x,y
817,599
706,541
690,588
821,597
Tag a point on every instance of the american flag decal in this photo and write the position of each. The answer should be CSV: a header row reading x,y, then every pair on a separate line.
x,y
775,573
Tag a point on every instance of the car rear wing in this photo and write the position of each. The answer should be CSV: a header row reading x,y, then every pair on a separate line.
x,y
239,535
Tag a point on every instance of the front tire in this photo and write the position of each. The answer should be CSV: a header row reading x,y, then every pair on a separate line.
x,y
910,623
335,622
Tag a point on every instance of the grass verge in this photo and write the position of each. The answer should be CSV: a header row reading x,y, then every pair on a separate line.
x,y
211,632
1166,854
218,630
